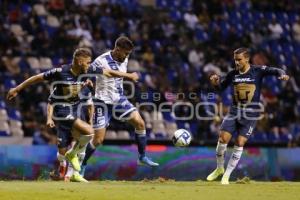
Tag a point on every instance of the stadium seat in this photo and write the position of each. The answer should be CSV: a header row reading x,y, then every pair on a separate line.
x,y
159,128
40,9
110,134
52,21
4,128
9,83
17,132
45,63
17,30
26,8
14,114
156,117
3,115
171,127
2,104
124,135
15,124
33,62
147,118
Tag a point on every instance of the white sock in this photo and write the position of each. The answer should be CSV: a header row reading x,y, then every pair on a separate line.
x,y
70,171
61,159
77,148
234,159
220,154
81,156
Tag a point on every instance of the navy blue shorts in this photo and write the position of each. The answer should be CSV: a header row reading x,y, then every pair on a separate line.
x,y
238,124
64,117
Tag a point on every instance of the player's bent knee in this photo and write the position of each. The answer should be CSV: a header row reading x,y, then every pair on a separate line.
x,y
84,139
240,143
98,141
140,125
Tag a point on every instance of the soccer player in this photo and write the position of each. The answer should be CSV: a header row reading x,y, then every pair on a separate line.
x,y
109,100
85,112
67,85
246,80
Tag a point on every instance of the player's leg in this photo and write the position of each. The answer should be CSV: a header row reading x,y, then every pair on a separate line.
x,y
64,139
62,161
86,133
137,121
224,138
91,147
70,169
234,159
245,128
228,127
59,173
101,118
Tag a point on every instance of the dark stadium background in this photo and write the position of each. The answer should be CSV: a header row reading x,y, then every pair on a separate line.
x,y
178,45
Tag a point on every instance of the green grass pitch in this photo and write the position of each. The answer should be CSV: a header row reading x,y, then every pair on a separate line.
x,y
148,190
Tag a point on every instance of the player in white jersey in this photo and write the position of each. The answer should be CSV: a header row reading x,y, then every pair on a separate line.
x,y
110,101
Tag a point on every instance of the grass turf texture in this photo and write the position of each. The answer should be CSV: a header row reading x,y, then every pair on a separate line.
x,y
159,189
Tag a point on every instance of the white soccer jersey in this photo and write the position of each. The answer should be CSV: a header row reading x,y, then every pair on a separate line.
x,y
107,89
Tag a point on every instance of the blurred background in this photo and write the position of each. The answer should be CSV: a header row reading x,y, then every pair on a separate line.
x,y
178,45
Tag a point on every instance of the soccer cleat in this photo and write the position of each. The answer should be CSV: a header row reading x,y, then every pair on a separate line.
x,y
82,171
73,159
76,177
225,180
146,161
215,174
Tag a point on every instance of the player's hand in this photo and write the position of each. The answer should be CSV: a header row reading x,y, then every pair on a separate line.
x,y
214,79
284,77
12,93
88,83
50,123
134,77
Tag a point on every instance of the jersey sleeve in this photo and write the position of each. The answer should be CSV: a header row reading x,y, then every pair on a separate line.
x,y
269,71
96,67
86,95
226,81
53,74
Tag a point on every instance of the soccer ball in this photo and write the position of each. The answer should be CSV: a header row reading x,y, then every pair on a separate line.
x,y
181,138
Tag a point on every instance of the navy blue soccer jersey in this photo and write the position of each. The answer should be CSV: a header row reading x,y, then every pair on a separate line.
x,y
66,86
246,87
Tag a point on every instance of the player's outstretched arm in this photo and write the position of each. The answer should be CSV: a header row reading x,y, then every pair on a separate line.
x,y
113,73
275,71
50,122
13,92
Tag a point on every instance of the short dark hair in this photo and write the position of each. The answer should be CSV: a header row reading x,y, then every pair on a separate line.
x,y
82,52
124,43
243,50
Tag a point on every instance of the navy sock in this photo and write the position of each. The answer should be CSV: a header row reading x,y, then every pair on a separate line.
x,y
141,142
90,149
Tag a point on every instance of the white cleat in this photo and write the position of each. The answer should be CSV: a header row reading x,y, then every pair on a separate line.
x,y
225,180
215,174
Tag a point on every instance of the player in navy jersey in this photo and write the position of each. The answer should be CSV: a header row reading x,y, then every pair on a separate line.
x,y
246,80
85,112
67,83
